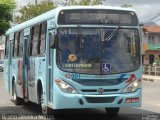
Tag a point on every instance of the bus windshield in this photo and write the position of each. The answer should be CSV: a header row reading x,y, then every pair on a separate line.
x,y
86,50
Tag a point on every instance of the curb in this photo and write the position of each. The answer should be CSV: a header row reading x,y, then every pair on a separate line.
x,y
153,79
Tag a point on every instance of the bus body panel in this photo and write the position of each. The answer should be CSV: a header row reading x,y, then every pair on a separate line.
x,y
17,76
73,101
32,79
40,66
7,64
5,75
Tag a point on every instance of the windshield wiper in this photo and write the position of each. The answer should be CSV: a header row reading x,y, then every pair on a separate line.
x,y
112,34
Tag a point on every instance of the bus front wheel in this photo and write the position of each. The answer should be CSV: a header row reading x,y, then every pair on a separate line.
x,y
112,111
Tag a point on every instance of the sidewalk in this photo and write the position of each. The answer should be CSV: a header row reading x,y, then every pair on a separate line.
x,y
151,78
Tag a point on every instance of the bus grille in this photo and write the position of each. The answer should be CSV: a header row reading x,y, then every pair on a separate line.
x,y
95,90
100,99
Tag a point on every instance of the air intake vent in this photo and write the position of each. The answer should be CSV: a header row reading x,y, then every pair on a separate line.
x,y
100,99
95,90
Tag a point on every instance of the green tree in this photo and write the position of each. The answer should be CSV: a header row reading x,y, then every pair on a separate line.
x,y
10,3
126,5
31,10
84,2
6,8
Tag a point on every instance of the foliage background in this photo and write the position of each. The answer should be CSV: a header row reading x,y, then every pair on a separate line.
x,y
32,10
6,9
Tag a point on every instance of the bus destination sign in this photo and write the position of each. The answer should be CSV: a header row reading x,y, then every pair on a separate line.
x,y
109,17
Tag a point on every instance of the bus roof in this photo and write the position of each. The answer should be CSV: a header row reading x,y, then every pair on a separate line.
x,y
52,13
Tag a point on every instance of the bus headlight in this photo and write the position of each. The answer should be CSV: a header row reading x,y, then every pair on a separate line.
x,y
133,86
65,87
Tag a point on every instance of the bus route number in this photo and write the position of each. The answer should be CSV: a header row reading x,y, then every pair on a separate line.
x,y
72,76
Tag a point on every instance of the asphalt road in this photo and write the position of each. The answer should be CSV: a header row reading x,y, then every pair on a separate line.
x,y
150,106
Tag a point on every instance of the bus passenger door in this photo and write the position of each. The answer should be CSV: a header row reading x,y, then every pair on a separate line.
x,y
11,38
51,64
25,68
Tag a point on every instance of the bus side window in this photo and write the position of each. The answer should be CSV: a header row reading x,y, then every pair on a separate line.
x,y
20,44
6,46
34,40
42,37
15,44
31,44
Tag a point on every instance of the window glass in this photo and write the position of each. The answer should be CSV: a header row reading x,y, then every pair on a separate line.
x,y
20,43
92,50
42,36
30,47
35,40
15,44
6,46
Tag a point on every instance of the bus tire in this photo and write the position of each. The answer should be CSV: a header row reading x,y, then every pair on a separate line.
x,y
44,109
16,99
112,111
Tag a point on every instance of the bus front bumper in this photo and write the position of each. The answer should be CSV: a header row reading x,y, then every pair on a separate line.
x,y
70,101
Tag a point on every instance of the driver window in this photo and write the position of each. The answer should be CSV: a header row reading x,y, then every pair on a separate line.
x,y
52,37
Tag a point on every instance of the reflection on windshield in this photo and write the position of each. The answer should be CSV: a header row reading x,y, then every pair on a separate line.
x,y
97,56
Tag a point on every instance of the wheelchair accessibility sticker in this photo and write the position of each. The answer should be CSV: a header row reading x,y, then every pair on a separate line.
x,y
106,67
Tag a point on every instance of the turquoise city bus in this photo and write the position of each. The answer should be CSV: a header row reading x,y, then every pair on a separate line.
x,y
76,57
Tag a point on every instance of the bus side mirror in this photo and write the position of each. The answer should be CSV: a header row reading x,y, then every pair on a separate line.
x,y
52,39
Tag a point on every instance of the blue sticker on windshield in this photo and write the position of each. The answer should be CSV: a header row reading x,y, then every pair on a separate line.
x,y
106,67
